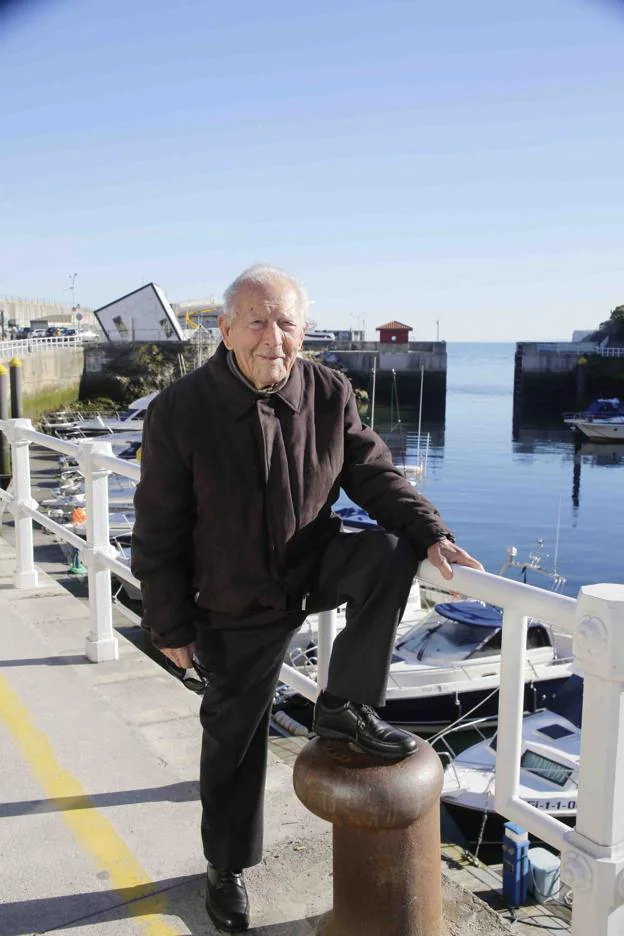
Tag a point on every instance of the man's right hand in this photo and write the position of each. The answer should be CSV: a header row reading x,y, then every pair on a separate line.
x,y
181,656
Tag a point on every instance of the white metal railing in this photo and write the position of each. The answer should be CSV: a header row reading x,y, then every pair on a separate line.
x,y
593,853
578,347
22,346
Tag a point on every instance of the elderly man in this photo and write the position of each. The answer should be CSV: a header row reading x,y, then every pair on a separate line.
x,y
235,542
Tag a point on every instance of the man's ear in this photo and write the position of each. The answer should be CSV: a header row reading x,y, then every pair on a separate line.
x,y
303,334
225,328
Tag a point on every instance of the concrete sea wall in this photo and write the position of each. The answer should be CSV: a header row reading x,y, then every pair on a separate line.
x,y
50,378
398,373
550,379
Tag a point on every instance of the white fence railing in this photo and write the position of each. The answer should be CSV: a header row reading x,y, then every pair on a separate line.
x,y
593,853
577,347
23,346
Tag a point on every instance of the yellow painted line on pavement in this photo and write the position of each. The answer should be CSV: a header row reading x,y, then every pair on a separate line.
x,y
94,833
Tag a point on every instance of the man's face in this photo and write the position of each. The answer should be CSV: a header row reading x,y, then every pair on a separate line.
x,y
266,334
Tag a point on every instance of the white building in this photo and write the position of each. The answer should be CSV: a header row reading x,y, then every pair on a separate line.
x,y
20,312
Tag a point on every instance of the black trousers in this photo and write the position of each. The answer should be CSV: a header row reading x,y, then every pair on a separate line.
x,y
372,572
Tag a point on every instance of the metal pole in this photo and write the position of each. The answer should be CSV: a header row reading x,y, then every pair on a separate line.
x,y
17,402
386,835
26,575
5,413
326,637
372,420
422,380
101,643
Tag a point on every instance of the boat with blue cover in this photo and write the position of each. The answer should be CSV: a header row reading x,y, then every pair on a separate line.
x,y
447,668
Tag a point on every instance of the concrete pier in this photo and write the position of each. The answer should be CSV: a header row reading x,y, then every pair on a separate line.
x,y
398,372
551,378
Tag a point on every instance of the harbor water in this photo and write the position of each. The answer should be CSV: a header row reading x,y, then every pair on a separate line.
x,y
495,491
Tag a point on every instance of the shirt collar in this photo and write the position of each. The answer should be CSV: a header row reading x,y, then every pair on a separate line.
x,y
239,395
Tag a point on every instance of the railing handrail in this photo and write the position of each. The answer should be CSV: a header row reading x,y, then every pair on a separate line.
x,y
18,347
592,861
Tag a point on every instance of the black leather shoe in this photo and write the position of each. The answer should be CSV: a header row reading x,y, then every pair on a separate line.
x,y
227,904
362,725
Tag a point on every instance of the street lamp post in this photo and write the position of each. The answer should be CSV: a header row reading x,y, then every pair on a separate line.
x,y
72,288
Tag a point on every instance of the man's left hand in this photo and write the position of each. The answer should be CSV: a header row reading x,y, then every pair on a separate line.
x,y
444,552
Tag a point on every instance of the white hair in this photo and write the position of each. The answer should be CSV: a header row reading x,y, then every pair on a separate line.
x,y
261,275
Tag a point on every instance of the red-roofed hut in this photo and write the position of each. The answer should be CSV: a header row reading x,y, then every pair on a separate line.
x,y
394,333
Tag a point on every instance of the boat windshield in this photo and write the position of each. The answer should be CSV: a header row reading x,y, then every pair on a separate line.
x,y
544,767
444,639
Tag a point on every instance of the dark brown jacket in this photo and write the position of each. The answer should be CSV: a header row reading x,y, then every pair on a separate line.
x,y
233,510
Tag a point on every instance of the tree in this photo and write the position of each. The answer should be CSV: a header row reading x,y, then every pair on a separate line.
x,y
614,326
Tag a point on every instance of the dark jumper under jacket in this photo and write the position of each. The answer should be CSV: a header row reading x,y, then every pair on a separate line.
x,y
233,510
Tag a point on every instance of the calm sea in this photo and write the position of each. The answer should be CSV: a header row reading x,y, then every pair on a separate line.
x,y
495,492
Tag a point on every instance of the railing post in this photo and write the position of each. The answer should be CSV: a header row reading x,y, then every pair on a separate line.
x,y
101,643
510,708
26,576
592,860
326,637
5,414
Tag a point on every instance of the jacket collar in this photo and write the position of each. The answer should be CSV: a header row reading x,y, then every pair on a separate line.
x,y
238,397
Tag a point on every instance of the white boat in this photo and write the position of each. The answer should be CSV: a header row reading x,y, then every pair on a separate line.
x,y
602,408
609,429
319,337
71,425
448,667
549,763
131,420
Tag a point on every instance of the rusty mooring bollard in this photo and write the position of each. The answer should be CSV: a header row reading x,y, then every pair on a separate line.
x,y
386,834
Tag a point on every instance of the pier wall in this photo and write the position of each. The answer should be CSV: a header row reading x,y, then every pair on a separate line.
x,y
47,373
398,370
112,369
550,379
355,359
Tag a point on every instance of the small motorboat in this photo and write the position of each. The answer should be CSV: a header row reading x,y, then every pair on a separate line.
x,y
602,430
448,667
602,421
603,408
549,764
445,668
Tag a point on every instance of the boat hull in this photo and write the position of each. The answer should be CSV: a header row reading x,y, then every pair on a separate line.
x,y
601,430
430,713
477,828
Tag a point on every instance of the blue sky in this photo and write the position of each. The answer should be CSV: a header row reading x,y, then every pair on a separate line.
x,y
460,162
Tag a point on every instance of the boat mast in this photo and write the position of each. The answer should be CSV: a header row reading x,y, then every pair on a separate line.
x,y
372,419
420,405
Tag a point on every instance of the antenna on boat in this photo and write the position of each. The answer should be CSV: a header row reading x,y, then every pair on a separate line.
x,y
557,537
